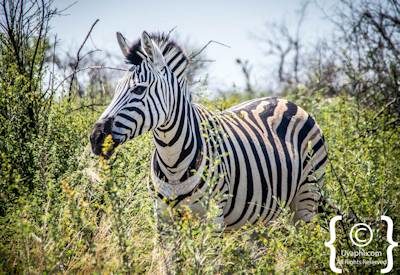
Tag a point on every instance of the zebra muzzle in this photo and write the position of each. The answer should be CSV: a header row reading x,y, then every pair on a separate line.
x,y
98,137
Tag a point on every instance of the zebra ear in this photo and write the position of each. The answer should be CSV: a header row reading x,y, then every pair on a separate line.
x,y
123,44
152,50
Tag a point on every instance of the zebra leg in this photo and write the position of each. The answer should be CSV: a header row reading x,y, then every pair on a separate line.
x,y
305,204
161,256
307,200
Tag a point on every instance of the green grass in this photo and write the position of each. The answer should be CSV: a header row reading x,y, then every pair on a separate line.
x,y
91,215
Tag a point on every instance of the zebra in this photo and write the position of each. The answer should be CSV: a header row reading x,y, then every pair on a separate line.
x,y
271,152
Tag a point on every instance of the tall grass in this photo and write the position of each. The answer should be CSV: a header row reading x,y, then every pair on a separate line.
x,y
94,215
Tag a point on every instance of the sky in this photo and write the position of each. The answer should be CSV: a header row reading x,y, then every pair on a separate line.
x,y
234,23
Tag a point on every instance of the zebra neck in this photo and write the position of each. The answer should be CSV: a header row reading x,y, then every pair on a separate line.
x,y
179,145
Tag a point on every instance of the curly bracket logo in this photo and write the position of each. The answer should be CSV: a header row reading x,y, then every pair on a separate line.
x,y
361,235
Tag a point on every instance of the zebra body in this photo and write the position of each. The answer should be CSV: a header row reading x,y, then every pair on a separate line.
x,y
263,146
258,156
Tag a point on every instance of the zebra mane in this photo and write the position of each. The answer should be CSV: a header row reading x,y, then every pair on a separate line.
x,y
170,49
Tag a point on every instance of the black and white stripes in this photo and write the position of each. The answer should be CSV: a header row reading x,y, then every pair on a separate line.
x,y
265,153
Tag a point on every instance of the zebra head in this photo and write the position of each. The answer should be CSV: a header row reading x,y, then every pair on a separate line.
x,y
142,97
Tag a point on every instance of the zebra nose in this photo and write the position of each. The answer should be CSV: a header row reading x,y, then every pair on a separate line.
x,y
100,131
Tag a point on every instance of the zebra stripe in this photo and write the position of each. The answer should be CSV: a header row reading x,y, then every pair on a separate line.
x,y
265,153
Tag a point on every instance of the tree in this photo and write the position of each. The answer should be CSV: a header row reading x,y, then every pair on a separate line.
x,y
369,32
24,29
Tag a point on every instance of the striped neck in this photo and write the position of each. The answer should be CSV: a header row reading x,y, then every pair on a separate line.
x,y
178,142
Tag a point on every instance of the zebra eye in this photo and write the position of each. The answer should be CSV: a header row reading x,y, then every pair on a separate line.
x,y
139,90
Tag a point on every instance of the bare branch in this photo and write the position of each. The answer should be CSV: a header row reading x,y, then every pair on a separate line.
x,y
67,7
89,106
193,55
171,31
85,69
78,58
246,70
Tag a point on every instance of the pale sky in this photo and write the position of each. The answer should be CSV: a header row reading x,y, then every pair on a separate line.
x,y
230,22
